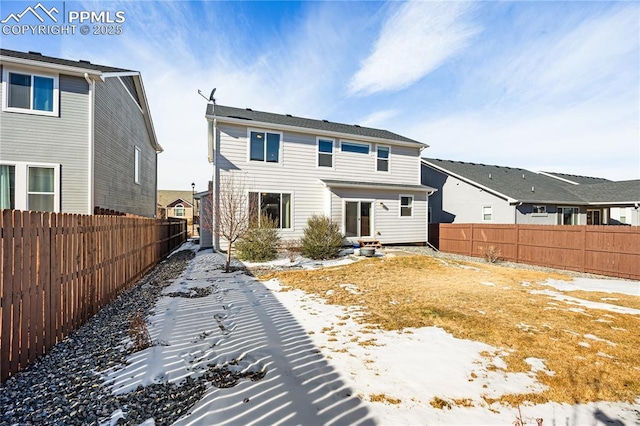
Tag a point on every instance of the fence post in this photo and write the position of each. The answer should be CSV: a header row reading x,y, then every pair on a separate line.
x,y
472,241
583,248
517,242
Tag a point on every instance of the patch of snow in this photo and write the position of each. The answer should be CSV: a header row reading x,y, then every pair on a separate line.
x,y
487,283
587,303
631,288
598,339
351,288
584,344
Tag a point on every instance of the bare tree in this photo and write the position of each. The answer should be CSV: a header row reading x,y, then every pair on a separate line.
x,y
232,213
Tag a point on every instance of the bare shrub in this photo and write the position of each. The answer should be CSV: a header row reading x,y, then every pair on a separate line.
x,y
138,332
232,214
291,248
491,254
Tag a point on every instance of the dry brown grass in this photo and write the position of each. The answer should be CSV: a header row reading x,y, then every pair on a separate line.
x,y
490,304
380,397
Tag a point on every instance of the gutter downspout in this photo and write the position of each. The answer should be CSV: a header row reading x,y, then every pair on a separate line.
x,y
91,140
215,190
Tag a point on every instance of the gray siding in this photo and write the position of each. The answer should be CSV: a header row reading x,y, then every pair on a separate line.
x,y
526,216
119,127
57,140
298,174
459,202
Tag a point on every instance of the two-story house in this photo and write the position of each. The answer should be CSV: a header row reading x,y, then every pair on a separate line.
x,y
482,193
365,179
75,136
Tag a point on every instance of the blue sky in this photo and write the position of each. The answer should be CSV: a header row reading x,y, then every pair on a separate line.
x,y
551,86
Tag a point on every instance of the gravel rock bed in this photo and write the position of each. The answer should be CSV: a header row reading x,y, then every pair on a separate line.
x,y
64,386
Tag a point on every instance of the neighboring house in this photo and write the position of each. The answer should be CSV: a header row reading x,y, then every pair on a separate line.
x,y
480,193
181,205
75,136
367,180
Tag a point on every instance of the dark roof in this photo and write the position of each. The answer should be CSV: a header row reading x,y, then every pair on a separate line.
x,y
581,180
381,185
307,123
609,192
36,56
530,187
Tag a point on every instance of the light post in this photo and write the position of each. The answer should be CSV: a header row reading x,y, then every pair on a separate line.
x,y
193,209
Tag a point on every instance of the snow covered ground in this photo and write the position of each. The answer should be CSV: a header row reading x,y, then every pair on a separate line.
x,y
322,367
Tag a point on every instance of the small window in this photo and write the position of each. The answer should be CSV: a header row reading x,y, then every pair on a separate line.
x,y
276,206
41,189
358,148
136,165
325,153
382,164
406,205
7,187
539,209
487,213
623,218
264,146
178,210
35,93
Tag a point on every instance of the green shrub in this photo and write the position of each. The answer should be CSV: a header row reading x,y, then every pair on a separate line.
x,y
322,238
260,243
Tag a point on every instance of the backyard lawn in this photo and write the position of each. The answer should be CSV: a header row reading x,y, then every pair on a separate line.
x,y
582,346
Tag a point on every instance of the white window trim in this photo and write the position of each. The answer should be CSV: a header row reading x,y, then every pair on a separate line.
x,y
333,153
538,214
137,157
342,141
372,227
22,184
482,213
413,199
280,147
5,91
388,159
278,191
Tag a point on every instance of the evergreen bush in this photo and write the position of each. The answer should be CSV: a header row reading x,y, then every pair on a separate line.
x,y
260,242
322,238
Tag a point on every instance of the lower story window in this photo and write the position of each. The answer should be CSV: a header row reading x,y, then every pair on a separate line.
x,y
7,187
406,205
34,187
487,213
274,205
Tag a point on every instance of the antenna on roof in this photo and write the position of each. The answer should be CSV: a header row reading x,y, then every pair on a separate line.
x,y
211,98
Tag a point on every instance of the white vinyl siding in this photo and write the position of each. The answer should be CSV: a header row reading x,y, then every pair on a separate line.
x,y
300,175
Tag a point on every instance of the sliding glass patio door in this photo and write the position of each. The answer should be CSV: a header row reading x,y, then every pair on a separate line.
x,y
357,218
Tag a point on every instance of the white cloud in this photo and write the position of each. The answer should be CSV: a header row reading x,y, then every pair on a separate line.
x,y
379,119
415,40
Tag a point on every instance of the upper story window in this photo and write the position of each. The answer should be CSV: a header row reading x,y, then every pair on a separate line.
x,y
178,210
325,153
406,205
359,148
382,162
264,146
30,93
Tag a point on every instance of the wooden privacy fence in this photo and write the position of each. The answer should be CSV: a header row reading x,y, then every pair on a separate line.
x,y
57,270
606,250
